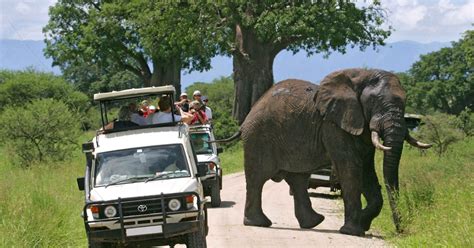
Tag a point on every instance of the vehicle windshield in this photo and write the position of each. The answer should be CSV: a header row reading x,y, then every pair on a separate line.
x,y
140,164
200,143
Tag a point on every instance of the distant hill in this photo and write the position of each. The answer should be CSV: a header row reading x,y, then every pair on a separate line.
x,y
397,57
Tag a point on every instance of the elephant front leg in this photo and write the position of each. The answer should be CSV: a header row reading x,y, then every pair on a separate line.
x,y
342,149
372,193
306,216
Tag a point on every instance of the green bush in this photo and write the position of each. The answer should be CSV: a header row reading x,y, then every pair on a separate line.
x,y
440,130
18,88
465,122
43,130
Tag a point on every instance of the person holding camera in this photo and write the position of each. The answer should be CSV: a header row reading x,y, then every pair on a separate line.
x,y
199,116
183,102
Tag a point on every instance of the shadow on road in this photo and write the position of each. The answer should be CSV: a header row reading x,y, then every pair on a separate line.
x,y
368,236
227,204
323,195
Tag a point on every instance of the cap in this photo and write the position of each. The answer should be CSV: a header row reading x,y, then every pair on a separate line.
x,y
184,94
197,93
204,98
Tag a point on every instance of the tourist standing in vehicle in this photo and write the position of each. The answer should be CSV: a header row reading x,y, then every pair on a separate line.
x,y
207,109
165,115
183,102
197,96
199,115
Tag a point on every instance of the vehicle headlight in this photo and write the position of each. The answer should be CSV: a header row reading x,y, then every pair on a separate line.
x,y
110,211
174,204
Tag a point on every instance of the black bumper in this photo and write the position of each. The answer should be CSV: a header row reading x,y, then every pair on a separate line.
x,y
168,230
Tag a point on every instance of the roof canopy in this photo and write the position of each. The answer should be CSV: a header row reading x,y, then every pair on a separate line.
x,y
134,93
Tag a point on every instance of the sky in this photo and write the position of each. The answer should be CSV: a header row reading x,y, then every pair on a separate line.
x,y
418,20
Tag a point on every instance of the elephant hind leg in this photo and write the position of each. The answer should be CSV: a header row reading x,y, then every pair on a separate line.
x,y
253,214
306,216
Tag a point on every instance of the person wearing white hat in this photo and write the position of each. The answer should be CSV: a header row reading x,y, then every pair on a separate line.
x,y
197,96
183,102
151,113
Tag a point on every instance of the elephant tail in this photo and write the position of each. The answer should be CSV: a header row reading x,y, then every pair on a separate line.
x,y
233,137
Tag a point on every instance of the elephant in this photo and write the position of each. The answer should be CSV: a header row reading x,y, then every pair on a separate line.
x,y
297,126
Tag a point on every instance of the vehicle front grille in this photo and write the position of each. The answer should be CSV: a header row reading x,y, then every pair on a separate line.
x,y
137,207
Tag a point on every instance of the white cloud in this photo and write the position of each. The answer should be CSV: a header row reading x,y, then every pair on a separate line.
x,y
23,20
427,21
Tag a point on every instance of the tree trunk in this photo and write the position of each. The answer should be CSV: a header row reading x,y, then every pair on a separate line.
x,y
167,73
253,71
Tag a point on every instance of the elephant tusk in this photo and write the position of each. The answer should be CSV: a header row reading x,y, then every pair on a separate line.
x,y
376,142
414,142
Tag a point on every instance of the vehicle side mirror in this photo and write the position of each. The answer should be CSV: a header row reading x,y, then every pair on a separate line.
x,y
220,150
81,183
88,147
202,170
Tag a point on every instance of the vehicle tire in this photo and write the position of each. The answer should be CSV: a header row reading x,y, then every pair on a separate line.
x,y
206,225
216,194
198,239
93,244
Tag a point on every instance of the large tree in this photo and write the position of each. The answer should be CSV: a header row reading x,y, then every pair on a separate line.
x,y
154,40
443,80
256,31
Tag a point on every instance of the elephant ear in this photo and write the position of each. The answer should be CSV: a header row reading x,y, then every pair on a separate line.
x,y
337,101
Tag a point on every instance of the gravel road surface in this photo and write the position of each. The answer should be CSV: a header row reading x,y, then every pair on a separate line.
x,y
226,228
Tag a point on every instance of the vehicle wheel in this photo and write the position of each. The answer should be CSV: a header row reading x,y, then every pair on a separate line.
x,y
198,239
93,244
206,225
216,194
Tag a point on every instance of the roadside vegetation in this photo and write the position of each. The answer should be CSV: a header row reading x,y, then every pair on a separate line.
x,y
435,198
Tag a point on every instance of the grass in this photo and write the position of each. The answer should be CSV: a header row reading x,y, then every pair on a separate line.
x,y
436,199
232,159
40,206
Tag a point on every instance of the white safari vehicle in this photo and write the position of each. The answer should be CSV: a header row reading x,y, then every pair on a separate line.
x,y
142,184
207,155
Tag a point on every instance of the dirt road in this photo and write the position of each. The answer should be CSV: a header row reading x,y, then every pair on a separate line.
x,y
226,228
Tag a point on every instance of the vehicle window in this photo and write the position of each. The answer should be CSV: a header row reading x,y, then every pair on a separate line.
x,y
200,143
141,163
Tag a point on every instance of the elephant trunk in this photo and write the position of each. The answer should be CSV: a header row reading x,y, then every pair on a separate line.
x,y
393,137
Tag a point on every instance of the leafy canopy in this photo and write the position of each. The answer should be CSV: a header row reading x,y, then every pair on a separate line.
x,y
443,80
140,36
314,26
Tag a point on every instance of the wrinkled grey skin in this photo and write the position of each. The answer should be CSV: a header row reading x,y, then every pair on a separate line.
x,y
297,127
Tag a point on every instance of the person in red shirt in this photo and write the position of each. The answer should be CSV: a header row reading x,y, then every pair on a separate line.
x,y
199,114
